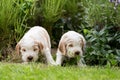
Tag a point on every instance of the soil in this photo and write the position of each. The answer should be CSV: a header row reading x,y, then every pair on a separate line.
x,y
54,50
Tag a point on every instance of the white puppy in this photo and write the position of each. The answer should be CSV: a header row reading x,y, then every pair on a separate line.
x,y
71,45
35,41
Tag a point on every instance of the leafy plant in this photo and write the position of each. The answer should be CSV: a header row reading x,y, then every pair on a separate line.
x,y
26,13
103,32
8,15
51,12
72,19
101,12
99,51
13,22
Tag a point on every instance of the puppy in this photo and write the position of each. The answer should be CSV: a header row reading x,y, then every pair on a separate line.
x,y
35,41
71,45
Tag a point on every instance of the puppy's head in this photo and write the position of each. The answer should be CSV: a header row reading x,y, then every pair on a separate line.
x,y
29,50
72,46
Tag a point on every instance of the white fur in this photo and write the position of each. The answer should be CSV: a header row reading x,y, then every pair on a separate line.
x,y
71,45
35,41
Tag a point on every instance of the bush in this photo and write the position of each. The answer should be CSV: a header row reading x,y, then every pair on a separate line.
x,y
98,50
48,11
104,35
13,22
101,12
8,16
71,19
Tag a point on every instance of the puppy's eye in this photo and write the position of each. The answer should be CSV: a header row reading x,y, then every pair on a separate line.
x,y
24,50
70,45
35,49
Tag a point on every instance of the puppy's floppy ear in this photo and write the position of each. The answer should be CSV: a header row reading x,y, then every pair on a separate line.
x,y
62,47
83,43
40,46
17,48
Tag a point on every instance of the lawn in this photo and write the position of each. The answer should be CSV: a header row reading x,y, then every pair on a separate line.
x,y
37,71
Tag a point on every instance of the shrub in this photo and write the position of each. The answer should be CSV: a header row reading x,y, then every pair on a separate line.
x,y
103,36
13,17
25,17
71,19
51,12
8,15
100,51
101,12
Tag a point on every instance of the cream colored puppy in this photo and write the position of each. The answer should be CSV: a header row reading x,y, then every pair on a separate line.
x,y
35,41
71,45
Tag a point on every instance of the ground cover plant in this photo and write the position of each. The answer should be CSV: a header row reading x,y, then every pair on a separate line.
x,y
39,71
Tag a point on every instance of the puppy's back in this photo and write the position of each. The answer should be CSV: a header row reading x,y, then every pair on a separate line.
x,y
38,33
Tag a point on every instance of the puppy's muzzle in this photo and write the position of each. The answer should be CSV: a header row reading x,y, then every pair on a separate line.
x,y
30,58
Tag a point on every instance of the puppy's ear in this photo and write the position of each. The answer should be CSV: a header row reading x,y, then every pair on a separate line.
x,y
40,46
17,48
83,43
62,47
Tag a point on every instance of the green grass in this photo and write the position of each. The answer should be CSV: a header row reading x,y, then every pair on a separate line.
x,y
36,71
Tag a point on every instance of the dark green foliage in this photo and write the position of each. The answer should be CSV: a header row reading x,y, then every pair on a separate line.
x,y
74,15
72,19
103,38
99,48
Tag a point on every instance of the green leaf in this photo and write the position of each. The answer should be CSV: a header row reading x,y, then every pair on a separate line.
x,y
85,31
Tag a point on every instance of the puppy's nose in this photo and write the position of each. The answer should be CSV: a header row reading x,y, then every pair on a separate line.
x,y
30,58
77,53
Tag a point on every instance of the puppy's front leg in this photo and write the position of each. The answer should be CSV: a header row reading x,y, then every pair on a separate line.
x,y
59,58
49,57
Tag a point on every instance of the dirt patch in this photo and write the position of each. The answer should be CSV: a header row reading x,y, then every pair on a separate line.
x,y
54,50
